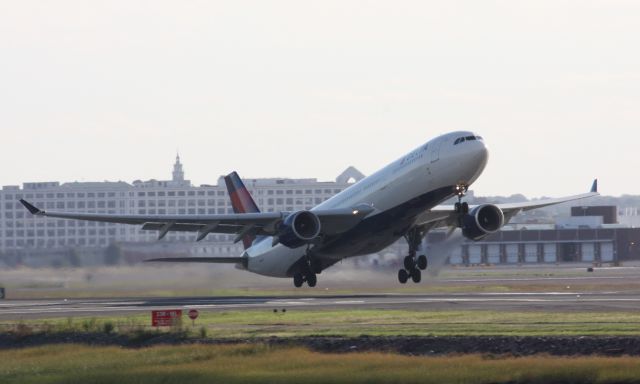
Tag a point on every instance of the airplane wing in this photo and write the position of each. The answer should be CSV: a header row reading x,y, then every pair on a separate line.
x,y
266,223
445,215
221,260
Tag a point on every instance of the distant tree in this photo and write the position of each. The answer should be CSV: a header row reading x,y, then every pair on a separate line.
x,y
113,254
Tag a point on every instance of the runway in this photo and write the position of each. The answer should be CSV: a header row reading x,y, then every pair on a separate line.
x,y
550,301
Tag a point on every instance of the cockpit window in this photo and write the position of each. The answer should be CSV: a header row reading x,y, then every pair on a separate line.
x,y
466,138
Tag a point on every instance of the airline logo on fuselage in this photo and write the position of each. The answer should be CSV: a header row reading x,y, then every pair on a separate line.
x,y
414,156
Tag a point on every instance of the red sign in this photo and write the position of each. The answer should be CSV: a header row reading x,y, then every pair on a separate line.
x,y
193,314
166,318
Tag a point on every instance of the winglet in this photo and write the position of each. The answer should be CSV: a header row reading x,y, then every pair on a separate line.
x,y
34,210
594,187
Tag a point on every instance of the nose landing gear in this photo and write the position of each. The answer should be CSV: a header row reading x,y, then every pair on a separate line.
x,y
460,207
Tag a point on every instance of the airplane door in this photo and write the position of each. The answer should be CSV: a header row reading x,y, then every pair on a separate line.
x,y
435,151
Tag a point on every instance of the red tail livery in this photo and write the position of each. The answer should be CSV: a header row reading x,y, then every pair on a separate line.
x,y
241,201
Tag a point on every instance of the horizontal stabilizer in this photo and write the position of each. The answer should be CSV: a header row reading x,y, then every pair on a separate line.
x,y
223,260
33,209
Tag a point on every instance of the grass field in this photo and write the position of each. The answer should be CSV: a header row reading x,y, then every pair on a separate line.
x,y
263,364
248,324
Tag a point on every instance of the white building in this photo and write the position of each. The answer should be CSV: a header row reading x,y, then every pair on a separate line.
x,y
629,217
19,230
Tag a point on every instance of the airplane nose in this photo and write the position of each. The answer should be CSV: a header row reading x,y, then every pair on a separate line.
x,y
477,160
482,153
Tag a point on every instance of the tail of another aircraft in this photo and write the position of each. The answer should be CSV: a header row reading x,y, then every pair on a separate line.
x,y
241,201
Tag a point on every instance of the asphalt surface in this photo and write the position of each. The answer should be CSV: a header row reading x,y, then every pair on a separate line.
x,y
550,301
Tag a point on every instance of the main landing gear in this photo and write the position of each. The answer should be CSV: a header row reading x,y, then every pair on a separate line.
x,y
310,278
308,272
413,266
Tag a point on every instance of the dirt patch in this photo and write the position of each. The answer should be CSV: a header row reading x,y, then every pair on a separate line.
x,y
406,345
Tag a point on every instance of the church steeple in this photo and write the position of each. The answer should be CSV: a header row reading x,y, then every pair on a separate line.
x,y
178,173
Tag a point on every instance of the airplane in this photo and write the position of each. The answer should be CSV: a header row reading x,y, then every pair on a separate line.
x,y
400,200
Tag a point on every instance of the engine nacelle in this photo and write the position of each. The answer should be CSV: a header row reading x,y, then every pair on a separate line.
x,y
298,229
482,221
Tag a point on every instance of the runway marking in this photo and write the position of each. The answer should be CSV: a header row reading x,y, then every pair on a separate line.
x,y
93,306
535,279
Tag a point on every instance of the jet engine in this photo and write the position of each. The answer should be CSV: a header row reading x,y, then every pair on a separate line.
x,y
298,229
482,221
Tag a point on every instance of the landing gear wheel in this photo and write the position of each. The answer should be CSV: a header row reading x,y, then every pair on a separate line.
x,y
298,280
403,276
415,237
312,280
409,263
422,262
416,275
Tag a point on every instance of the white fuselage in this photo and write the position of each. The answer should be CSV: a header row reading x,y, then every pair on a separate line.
x,y
438,165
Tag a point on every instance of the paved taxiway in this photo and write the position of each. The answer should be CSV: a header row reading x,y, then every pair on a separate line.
x,y
551,301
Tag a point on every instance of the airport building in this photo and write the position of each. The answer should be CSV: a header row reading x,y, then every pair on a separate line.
x,y
591,234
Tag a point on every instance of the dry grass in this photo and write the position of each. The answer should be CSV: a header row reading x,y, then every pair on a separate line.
x,y
262,364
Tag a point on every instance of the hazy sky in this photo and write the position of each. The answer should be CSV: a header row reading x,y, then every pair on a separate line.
x,y
109,90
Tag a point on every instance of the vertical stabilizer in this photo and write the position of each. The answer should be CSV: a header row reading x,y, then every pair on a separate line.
x,y
241,201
